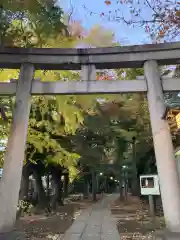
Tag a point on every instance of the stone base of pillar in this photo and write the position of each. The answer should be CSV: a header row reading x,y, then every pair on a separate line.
x,y
14,235
166,235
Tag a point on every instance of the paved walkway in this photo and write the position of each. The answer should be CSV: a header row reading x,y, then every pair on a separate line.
x,y
95,223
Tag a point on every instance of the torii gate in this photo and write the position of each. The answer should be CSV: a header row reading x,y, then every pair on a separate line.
x,y
88,60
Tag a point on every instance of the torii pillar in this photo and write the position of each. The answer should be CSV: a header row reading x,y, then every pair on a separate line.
x,y
164,151
14,157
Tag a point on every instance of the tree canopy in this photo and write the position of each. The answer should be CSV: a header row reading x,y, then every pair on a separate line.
x,y
159,18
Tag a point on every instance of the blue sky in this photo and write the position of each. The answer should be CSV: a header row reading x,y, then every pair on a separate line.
x,y
126,35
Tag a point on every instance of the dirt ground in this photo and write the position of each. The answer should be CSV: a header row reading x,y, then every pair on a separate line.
x,y
134,221
42,226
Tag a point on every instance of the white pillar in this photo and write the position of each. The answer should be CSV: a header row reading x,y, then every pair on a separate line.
x,y
14,157
165,158
88,72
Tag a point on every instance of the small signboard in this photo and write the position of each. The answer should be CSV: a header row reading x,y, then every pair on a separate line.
x,y
149,185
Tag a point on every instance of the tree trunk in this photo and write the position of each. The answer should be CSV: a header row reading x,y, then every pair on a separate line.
x,y
65,185
86,189
94,185
135,189
34,192
120,187
97,184
47,186
125,191
61,198
24,190
135,182
57,199
42,198
106,185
